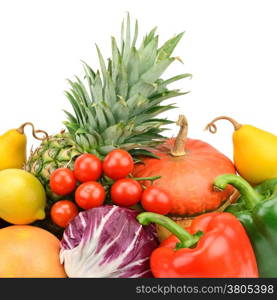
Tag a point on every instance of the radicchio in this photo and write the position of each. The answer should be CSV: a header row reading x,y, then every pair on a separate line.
x,y
109,242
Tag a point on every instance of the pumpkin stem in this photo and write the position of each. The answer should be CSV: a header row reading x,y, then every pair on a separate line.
x,y
213,129
180,141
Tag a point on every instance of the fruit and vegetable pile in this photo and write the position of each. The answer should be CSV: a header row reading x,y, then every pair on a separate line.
x,y
111,196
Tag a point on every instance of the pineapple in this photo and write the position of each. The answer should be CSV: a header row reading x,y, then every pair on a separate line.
x,y
55,152
114,107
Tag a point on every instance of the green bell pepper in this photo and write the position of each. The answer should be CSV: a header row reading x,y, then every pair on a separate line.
x,y
257,210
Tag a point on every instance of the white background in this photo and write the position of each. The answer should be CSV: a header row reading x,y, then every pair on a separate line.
x,y
230,47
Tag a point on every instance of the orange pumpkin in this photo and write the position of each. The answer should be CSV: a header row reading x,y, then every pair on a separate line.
x,y
187,168
29,251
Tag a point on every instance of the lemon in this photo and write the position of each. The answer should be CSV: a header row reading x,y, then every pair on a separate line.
x,y
22,197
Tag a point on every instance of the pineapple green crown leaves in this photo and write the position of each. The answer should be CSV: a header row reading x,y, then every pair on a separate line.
x,y
118,105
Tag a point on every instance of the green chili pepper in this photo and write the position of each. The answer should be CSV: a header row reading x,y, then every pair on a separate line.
x,y
257,210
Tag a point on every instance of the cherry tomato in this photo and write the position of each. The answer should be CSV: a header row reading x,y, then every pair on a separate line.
x,y
90,194
118,164
62,212
62,181
87,167
126,192
155,199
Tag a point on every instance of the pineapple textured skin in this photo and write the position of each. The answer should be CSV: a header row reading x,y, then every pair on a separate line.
x,y
57,151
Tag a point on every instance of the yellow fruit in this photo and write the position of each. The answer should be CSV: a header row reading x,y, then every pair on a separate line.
x,y
13,147
22,197
29,251
255,151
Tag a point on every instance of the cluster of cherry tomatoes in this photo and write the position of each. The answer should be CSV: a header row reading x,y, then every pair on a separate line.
x,y
89,192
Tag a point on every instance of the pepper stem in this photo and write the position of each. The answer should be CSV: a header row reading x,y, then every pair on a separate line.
x,y
187,240
267,188
249,195
180,141
213,129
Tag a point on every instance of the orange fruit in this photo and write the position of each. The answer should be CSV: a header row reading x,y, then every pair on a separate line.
x,y
29,251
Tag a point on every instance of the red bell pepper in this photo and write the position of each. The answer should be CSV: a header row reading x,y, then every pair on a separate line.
x,y
215,245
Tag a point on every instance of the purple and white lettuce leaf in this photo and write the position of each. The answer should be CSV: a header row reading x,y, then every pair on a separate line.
x,y
109,242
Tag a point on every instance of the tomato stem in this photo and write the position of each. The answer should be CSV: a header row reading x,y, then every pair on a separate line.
x,y
108,181
147,178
